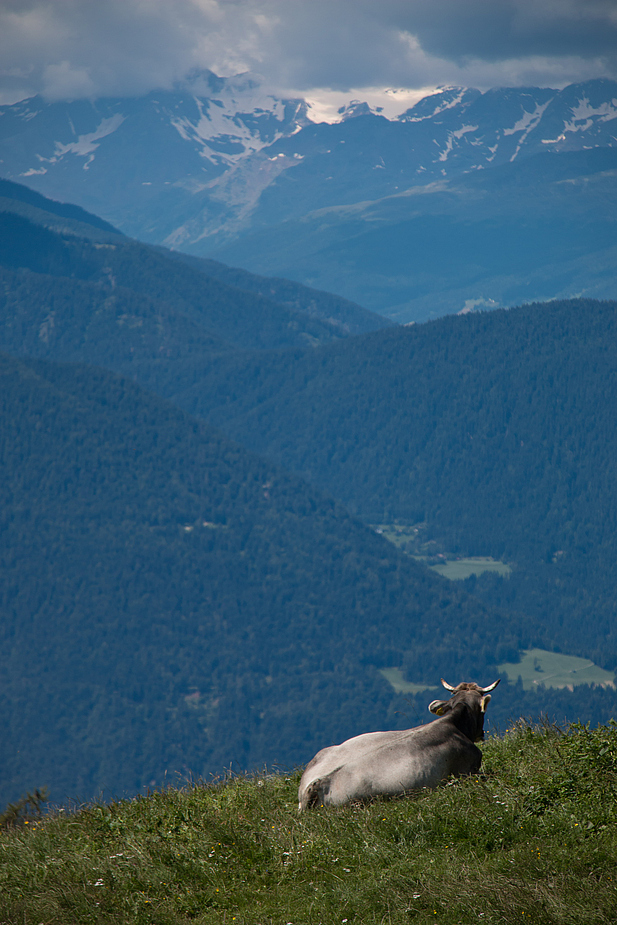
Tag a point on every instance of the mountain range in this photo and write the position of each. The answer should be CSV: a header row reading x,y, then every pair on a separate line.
x,y
465,183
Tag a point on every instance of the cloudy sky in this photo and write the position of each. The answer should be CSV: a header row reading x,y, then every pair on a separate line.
x,y
67,49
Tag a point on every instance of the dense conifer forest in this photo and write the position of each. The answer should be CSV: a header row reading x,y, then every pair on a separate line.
x,y
171,602
494,433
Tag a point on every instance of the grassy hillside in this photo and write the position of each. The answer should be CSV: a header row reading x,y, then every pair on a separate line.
x,y
533,838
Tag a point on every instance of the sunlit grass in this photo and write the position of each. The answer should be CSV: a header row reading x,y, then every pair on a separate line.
x,y
458,569
533,838
553,669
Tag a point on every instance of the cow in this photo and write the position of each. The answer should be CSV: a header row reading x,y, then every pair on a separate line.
x,y
394,763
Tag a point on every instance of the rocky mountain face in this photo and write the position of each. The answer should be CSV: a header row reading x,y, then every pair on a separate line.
x,y
210,169
120,156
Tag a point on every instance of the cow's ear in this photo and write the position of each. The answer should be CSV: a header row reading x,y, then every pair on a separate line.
x,y
438,707
485,702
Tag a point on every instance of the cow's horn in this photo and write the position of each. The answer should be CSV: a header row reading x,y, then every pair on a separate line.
x,y
491,687
449,687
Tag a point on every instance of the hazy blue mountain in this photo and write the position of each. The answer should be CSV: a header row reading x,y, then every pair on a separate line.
x,y
243,158
245,309
534,229
226,170
140,159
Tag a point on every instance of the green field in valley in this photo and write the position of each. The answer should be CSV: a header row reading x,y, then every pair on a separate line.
x,y
457,569
537,666
395,677
553,669
411,540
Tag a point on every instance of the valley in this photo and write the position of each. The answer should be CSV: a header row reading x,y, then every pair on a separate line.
x,y
220,503
411,539
553,669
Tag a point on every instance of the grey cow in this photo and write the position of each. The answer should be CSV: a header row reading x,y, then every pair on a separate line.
x,y
393,763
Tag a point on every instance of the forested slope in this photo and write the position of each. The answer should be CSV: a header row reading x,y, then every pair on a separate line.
x,y
172,603
350,317
233,315
21,200
495,431
239,304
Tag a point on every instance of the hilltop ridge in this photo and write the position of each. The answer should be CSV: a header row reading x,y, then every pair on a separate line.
x,y
531,837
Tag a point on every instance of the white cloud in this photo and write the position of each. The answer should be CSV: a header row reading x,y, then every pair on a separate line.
x,y
63,80
71,48
325,104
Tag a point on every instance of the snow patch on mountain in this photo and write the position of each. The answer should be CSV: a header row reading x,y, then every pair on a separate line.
x,y
325,105
236,117
527,121
584,115
223,157
455,136
87,144
525,125
584,110
242,130
445,98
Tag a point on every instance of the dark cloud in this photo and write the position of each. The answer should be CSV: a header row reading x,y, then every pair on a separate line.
x,y
493,30
77,48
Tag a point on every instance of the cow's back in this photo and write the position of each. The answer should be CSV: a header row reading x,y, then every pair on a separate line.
x,y
388,764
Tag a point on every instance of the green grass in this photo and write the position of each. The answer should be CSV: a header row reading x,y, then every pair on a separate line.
x,y
531,839
409,538
457,569
405,536
537,666
394,676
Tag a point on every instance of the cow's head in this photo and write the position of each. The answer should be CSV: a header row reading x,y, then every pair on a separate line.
x,y
473,700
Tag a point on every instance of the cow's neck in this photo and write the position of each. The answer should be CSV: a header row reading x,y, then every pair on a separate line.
x,y
467,721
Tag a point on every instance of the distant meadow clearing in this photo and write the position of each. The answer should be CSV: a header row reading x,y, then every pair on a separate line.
x,y
536,667
555,670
